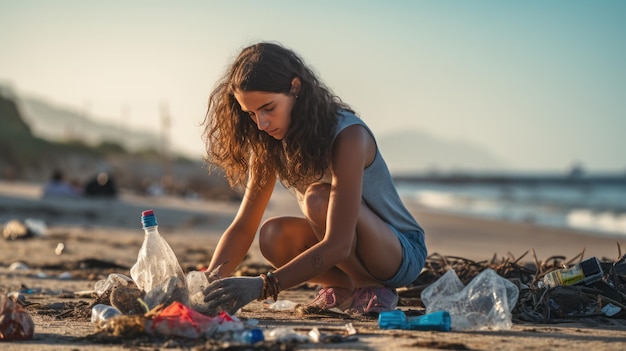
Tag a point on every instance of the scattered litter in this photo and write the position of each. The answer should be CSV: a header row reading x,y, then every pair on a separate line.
x,y
280,305
65,275
114,280
396,319
600,302
59,249
249,336
286,335
30,227
15,229
156,300
26,290
180,320
101,313
84,293
315,335
41,275
167,291
196,283
586,272
485,303
17,297
35,226
128,300
459,294
15,322
156,261
18,266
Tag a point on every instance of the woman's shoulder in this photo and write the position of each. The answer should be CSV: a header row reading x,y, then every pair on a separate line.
x,y
348,118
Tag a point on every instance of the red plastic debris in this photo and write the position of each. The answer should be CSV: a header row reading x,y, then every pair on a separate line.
x,y
180,320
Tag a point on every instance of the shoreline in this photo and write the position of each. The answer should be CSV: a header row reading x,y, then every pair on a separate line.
x,y
479,238
180,219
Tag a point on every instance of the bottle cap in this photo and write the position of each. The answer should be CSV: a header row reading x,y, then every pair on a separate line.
x,y
148,219
253,336
591,266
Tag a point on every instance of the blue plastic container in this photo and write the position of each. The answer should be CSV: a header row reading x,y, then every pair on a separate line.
x,y
396,319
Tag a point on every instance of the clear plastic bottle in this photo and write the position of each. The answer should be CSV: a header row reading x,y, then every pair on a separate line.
x,y
157,264
102,312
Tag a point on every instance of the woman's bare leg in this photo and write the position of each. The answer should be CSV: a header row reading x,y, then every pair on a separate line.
x,y
376,254
281,239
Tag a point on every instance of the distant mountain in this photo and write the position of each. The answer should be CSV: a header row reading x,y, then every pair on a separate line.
x,y
61,123
410,151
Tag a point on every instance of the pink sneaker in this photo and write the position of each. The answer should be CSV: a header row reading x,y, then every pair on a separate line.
x,y
374,299
328,298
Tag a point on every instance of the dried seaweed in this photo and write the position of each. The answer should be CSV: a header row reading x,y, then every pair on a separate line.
x,y
600,302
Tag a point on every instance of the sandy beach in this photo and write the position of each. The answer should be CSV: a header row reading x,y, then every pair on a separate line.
x,y
81,235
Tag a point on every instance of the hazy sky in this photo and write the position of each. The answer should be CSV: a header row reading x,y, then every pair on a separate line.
x,y
540,84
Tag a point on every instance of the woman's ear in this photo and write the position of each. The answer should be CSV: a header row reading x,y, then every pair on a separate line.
x,y
295,86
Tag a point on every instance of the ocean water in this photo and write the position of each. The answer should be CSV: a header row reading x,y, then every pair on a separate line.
x,y
591,207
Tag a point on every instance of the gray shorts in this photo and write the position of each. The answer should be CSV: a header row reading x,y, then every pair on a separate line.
x,y
414,255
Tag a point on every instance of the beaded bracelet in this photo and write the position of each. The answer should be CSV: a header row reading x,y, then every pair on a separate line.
x,y
271,278
271,287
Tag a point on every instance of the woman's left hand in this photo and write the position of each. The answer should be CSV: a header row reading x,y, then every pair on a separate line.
x,y
231,294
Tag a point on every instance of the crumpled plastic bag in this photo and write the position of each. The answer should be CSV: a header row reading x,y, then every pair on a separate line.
x,y
15,322
180,320
485,303
197,282
114,280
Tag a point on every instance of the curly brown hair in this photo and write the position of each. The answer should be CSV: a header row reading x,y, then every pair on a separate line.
x,y
232,138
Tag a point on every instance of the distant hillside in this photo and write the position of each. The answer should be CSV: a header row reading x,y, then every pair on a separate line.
x,y
27,156
409,151
24,155
62,123
406,151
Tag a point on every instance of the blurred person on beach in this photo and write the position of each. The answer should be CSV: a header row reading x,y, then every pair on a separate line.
x,y
270,118
102,185
58,186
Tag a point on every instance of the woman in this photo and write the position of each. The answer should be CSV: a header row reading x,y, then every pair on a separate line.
x,y
270,118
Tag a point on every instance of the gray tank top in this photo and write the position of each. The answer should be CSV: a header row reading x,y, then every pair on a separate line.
x,y
379,191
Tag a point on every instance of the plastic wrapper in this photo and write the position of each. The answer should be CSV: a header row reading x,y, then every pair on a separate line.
x,y
15,322
114,280
485,303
